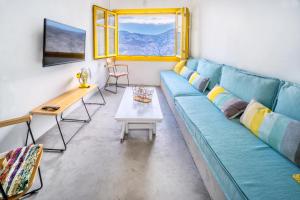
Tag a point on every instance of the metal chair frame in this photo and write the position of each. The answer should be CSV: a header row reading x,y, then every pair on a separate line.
x,y
113,70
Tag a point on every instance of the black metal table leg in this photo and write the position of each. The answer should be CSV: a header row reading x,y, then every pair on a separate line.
x,y
29,132
94,103
77,120
62,138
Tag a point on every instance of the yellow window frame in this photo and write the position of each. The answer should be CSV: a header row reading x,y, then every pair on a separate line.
x,y
184,33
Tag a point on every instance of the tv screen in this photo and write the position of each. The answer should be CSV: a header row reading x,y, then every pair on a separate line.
x,y
62,43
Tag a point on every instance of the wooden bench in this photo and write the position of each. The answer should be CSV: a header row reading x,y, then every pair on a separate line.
x,y
64,101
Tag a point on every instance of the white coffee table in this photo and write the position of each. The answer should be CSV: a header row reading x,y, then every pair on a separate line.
x,y
136,115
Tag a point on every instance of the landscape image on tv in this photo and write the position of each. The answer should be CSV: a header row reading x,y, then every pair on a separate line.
x,y
62,43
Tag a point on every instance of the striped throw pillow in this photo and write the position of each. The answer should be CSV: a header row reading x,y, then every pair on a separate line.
x,y
254,116
280,132
186,72
199,82
229,104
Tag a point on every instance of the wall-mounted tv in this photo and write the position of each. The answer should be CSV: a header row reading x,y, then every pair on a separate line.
x,y
62,44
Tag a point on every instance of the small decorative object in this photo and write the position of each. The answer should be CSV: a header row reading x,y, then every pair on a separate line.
x,y
83,77
296,177
51,108
142,94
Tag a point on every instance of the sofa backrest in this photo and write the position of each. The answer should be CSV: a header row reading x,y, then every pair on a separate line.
x,y
249,86
211,70
192,63
288,100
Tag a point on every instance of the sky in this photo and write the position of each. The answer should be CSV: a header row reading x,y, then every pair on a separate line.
x,y
146,24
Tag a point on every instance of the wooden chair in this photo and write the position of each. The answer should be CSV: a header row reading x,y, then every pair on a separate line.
x,y
24,162
115,71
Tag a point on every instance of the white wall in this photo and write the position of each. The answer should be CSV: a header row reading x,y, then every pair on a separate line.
x,y
24,83
147,73
258,35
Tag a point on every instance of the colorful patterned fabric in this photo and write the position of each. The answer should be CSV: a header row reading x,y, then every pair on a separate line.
x,y
179,66
280,132
186,72
229,104
17,168
199,82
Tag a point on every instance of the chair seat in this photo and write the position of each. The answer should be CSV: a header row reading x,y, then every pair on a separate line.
x,y
118,74
18,168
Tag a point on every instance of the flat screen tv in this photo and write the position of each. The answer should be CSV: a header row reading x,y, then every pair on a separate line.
x,y
62,44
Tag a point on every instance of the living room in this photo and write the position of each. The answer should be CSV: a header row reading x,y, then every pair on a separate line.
x,y
149,99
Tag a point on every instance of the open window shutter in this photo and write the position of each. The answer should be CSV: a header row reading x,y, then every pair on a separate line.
x,y
182,33
111,33
185,33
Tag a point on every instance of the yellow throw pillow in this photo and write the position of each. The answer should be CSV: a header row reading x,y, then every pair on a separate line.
x,y
254,116
177,68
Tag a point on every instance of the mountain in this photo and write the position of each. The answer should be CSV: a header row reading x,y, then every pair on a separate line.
x,y
151,45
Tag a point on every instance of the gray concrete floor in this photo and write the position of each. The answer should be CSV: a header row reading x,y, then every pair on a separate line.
x,y
97,166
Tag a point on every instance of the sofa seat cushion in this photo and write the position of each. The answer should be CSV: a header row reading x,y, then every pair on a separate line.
x,y
177,85
249,86
244,166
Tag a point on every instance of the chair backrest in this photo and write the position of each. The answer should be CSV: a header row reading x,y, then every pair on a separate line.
x,y
110,61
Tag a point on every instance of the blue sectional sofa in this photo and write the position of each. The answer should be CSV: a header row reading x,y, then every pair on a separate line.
x,y
233,163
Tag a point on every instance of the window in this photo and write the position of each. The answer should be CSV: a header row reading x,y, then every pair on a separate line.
x,y
105,33
141,34
147,35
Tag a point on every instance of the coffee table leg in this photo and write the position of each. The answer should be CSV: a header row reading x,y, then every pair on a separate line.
x,y
123,131
126,128
154,128
150,134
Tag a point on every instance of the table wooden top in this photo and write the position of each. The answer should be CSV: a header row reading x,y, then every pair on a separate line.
x,y
64,101
130,110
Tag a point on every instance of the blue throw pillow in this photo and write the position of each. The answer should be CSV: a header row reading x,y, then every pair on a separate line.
x,y
201,62
288,100
210,70
192,64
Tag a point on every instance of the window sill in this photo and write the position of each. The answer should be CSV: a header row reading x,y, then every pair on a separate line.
x,y
149,58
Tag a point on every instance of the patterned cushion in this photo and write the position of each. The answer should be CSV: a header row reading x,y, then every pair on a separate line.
x,y
179,66
280,132
199,82
186,72
229,104
17,168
